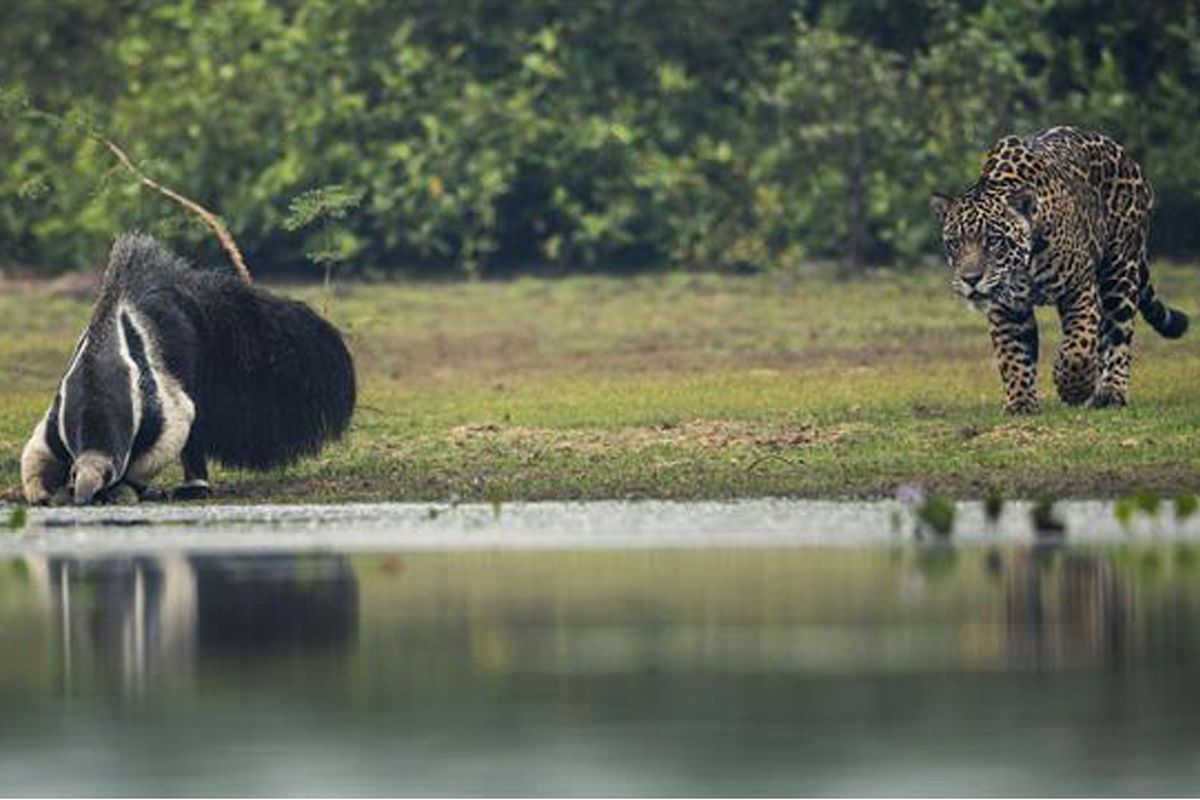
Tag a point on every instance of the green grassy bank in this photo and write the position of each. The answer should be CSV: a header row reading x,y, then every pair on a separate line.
x,y
679,387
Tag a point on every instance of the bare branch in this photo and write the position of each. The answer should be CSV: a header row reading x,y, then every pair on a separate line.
x,y
210,219
11,101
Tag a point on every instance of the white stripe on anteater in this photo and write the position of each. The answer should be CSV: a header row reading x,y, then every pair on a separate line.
x,y
135,388
178,410
62,395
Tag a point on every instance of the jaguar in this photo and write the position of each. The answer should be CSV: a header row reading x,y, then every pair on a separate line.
x,y
1061,218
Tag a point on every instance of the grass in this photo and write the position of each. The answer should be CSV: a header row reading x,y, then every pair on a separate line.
x,y
680,387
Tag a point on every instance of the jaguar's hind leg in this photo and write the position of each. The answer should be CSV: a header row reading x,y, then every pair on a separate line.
x,y
1076,365
1118,299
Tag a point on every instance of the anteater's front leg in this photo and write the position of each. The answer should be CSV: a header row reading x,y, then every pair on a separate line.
x,y
1015,341
43,474
195,470
1076,366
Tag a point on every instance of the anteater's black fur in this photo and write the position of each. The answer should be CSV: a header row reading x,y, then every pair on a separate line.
x,y
271,380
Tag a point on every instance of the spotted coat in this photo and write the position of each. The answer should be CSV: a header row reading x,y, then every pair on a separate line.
x,y
1058,218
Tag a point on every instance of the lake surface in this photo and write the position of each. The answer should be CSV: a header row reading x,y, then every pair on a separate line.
x,y
548,650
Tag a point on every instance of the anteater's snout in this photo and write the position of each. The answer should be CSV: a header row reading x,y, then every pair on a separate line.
x,y
90,475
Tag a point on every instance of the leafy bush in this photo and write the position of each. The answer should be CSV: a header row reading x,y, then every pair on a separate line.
x,y
484,138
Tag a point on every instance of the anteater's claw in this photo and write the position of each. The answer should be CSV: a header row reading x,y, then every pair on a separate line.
x,y
197,490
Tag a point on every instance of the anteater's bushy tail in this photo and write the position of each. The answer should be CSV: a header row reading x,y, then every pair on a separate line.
x,y
278,380
1170,323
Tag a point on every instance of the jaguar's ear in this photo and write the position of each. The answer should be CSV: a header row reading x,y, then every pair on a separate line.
x,y
1024,202
939,204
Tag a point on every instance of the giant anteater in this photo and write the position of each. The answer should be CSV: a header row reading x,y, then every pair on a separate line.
x,y
190,363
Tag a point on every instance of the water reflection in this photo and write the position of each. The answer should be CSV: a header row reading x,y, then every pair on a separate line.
x,y
138,619
808,670
1080,612
134,620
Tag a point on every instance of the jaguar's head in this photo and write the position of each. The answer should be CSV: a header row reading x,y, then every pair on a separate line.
x,y
988,239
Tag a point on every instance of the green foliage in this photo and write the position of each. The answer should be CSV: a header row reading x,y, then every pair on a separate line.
x,y
321,207
327,202
482,138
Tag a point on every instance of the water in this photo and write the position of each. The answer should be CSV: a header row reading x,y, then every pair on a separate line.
x,y
247,651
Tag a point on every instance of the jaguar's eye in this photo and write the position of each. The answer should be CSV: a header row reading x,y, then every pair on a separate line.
x,y
993,240
951,244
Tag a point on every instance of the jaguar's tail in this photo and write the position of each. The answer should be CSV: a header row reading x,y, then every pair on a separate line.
x,y
1171,323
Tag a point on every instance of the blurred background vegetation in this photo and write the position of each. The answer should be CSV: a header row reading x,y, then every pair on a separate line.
x,y
487,137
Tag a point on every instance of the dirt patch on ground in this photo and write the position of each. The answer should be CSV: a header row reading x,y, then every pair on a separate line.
x,y
703,434
1016,434
1031,434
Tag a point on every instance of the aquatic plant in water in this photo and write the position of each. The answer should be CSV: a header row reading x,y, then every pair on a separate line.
x,y
937,515
1045,519
17,518
1186,506
1146,502
993,507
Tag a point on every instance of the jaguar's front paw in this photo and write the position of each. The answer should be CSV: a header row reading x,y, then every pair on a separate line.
x,y
1075,379
1108,397
1022,406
